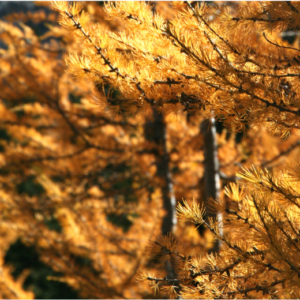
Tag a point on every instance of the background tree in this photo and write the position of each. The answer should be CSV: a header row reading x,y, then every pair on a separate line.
x,y
87,167
68,168
200,52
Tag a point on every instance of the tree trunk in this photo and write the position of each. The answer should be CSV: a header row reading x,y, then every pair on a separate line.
x,y
156,131
211,172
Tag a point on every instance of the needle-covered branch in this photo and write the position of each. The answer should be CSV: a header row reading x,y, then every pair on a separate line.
x,y
218,69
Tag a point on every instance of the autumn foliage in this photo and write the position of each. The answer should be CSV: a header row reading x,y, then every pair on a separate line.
x,y
101,135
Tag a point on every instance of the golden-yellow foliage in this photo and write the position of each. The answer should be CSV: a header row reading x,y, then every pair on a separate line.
x,y
260,247
73,147
223,62
196,60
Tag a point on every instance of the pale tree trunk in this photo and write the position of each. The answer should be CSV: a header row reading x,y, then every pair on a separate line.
x,y
163,172
157,131
211,172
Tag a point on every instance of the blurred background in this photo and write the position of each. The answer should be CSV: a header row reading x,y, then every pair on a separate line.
x,y
84,187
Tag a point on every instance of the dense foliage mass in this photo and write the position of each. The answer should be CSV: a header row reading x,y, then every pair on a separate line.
x,y
198,60
95,153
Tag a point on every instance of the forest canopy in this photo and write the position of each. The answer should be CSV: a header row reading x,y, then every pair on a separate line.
x,y
194,61
150,150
